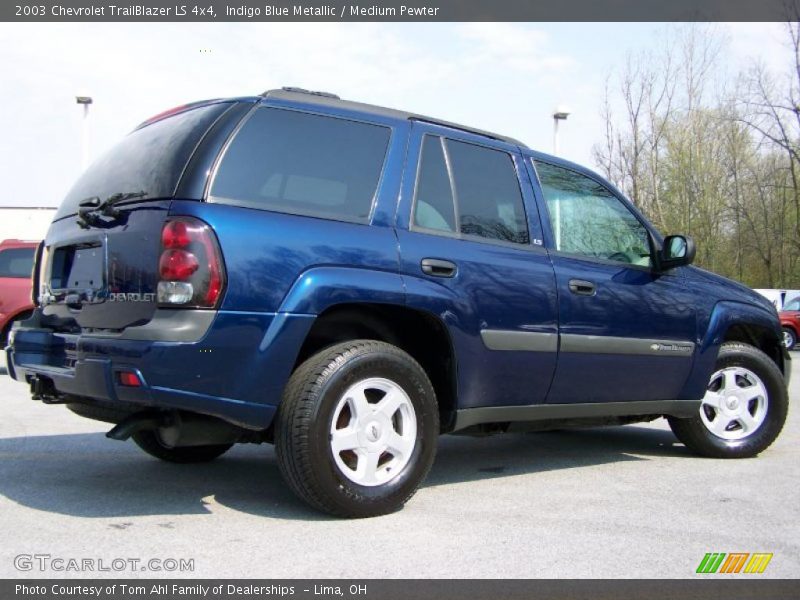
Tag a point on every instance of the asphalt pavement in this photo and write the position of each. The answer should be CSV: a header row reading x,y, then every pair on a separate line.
x,y
614,502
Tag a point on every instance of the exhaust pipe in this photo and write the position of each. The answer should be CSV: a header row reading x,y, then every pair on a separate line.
x,y
178,429
138,422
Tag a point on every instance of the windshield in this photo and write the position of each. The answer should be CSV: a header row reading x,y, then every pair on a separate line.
x,y
793,305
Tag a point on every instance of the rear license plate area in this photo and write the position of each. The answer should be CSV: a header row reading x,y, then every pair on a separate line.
x,y
78,269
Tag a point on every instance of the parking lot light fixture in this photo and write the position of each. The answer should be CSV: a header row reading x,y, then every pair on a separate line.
x,y
86,101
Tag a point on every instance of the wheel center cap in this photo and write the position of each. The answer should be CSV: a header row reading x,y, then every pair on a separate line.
x,y
732,402
373,431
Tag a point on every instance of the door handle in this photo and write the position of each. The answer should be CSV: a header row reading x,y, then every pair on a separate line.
x,y
582,288
438,267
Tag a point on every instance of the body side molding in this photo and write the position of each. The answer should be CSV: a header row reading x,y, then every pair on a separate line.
x,y
538,412
604,344
530,341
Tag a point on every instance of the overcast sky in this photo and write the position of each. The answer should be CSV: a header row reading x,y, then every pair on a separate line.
x,y
502,77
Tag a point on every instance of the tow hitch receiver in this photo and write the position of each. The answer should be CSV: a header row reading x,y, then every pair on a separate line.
x,y
43,389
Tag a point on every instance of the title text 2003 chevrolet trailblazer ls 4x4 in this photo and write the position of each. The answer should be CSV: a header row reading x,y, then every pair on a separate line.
x,y
347,282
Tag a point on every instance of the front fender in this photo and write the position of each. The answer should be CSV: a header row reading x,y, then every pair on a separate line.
x,y
724,315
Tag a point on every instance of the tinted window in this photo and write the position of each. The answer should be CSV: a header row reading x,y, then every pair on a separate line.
x,y
488,198
588,220
304,164
16,262
793,305
150,159
433,208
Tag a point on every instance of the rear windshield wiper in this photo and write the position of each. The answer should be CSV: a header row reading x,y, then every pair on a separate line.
x,y
87,213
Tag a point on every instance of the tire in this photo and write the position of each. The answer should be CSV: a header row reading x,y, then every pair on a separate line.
x,y
747,391
789,338
150,443
335,400
4,333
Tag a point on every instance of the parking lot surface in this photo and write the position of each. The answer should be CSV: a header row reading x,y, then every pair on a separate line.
x,y
613,502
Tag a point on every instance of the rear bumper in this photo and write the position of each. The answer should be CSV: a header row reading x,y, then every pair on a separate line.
x,y
236,372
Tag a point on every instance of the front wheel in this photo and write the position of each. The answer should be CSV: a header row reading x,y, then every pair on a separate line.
x,y
744,408
789,338
356,430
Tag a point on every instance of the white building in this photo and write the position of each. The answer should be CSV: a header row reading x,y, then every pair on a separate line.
x,y
25,223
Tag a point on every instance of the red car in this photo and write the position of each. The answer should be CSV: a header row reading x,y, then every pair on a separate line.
x,y
16,264
790,321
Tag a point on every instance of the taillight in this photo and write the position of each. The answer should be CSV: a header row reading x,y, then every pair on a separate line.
x,y
177,265
190,268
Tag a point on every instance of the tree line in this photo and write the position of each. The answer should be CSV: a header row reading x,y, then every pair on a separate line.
x,y
709,153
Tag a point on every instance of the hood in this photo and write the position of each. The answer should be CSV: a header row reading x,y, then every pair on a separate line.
x,y
730,289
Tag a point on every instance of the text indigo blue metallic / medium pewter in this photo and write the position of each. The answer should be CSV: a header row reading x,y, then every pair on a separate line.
x,y
348,281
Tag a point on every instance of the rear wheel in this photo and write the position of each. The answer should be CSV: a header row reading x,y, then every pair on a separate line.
x,y
789,338
356,430
744,408
150,442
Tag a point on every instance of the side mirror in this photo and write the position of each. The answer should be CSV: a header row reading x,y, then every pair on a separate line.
x,y
678,250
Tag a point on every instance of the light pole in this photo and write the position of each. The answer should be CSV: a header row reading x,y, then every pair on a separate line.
x,y
559,114
85,101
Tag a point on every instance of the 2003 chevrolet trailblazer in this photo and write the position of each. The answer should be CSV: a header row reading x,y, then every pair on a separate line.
x,y
347,282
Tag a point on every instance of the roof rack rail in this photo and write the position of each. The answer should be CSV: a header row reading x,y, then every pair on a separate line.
x,y
476,131
298,90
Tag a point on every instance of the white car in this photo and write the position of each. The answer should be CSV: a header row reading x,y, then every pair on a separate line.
x,y
778,297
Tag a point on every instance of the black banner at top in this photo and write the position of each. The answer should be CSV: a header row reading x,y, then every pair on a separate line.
x,y
404,10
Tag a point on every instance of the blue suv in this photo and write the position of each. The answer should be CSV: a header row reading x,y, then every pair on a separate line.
x,y
347,282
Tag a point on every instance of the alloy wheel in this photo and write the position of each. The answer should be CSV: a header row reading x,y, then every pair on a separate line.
x,y
735,404
373,431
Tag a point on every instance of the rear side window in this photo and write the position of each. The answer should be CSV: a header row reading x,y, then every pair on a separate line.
x,y
149,160
434,207
471,185
16,262
487,189
304,164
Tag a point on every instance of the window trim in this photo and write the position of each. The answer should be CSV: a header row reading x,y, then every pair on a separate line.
x,y
214,199
457,235
594,259
448,164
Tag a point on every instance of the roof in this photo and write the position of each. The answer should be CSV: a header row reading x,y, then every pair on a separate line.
x,y
329,100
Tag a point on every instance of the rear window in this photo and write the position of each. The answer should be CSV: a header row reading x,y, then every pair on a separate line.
x,y
303,164
149,160
16,262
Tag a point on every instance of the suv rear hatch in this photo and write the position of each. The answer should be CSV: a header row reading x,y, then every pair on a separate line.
x,y
100,265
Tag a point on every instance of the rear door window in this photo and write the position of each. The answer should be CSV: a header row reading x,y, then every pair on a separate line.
x,y
434,208
304,164
487,192
16,262
473,186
